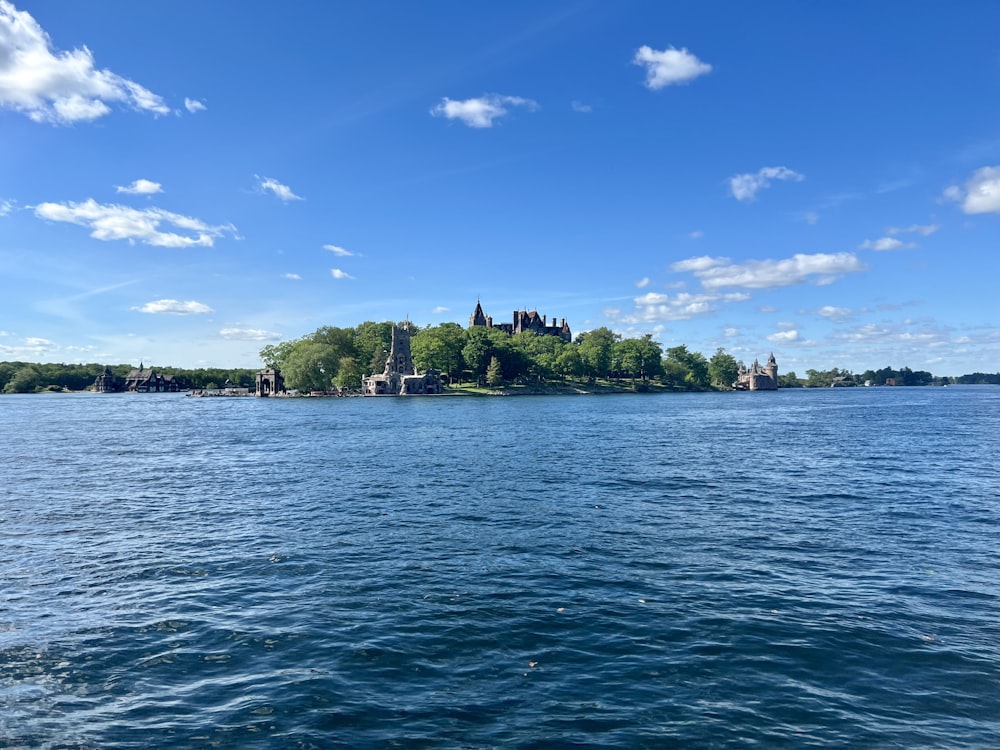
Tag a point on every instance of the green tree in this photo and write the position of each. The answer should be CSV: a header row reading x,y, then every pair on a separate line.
x,y
349,374
439,348
569,364
371,344
312,366
687,369
723,369
638,358
597,351
480,346
27,379
789,380
274,355
494,373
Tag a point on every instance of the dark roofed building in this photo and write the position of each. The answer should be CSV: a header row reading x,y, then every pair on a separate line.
x,y
523,320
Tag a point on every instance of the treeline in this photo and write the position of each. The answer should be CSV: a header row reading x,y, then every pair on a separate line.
x,y
886,376
340,357
33,377
333,357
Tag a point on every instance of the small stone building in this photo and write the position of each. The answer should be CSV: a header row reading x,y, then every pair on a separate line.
x,y
758,378
400,376
270,382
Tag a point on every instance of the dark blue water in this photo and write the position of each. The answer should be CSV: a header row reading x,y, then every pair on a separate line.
x,y
792,569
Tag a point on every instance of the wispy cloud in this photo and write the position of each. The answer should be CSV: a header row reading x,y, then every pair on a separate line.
x,y
657,307
745,187
440,309
174,307
59,87
140,187
193,105
884,244
338,274
697,234
922,229
271,185
581,107
981,193
836,314
114,222
339,251
784,337
248,334
480,112
820,269
669,67
293,276
6,207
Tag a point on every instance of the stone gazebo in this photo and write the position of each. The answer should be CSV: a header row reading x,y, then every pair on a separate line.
x,y
270,382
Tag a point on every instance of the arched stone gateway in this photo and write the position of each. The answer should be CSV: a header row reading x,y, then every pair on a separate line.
x,y
270,382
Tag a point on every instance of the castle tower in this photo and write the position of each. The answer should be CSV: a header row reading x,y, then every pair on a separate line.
x,y
772,369
478,317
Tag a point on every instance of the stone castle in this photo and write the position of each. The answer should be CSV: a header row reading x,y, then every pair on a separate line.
x,y
522,321
400,376
758,378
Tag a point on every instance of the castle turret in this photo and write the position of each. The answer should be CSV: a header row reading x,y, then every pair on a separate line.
x,y
772,369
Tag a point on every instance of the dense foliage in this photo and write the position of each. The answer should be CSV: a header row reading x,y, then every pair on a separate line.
x,y
33,377
333,357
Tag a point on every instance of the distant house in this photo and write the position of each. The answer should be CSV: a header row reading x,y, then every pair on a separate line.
x,y
757,378
140,380
523,320
108,382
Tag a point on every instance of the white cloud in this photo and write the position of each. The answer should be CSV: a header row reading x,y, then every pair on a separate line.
x,y
481,112
744,187
883,244
269,184
730,332
59,87
981,194
669,67
248,334
581,107
114,222
140,187
174,307
338,274
784,337
810,217
293,276
656,307
440,309
343,253
834,313
35,341
820,268
193,105
6,207
697,234
923,229
642,283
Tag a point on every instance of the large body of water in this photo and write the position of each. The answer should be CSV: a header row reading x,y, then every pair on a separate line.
x,y
793,569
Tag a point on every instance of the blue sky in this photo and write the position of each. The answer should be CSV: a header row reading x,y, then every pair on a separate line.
x,y
182,183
